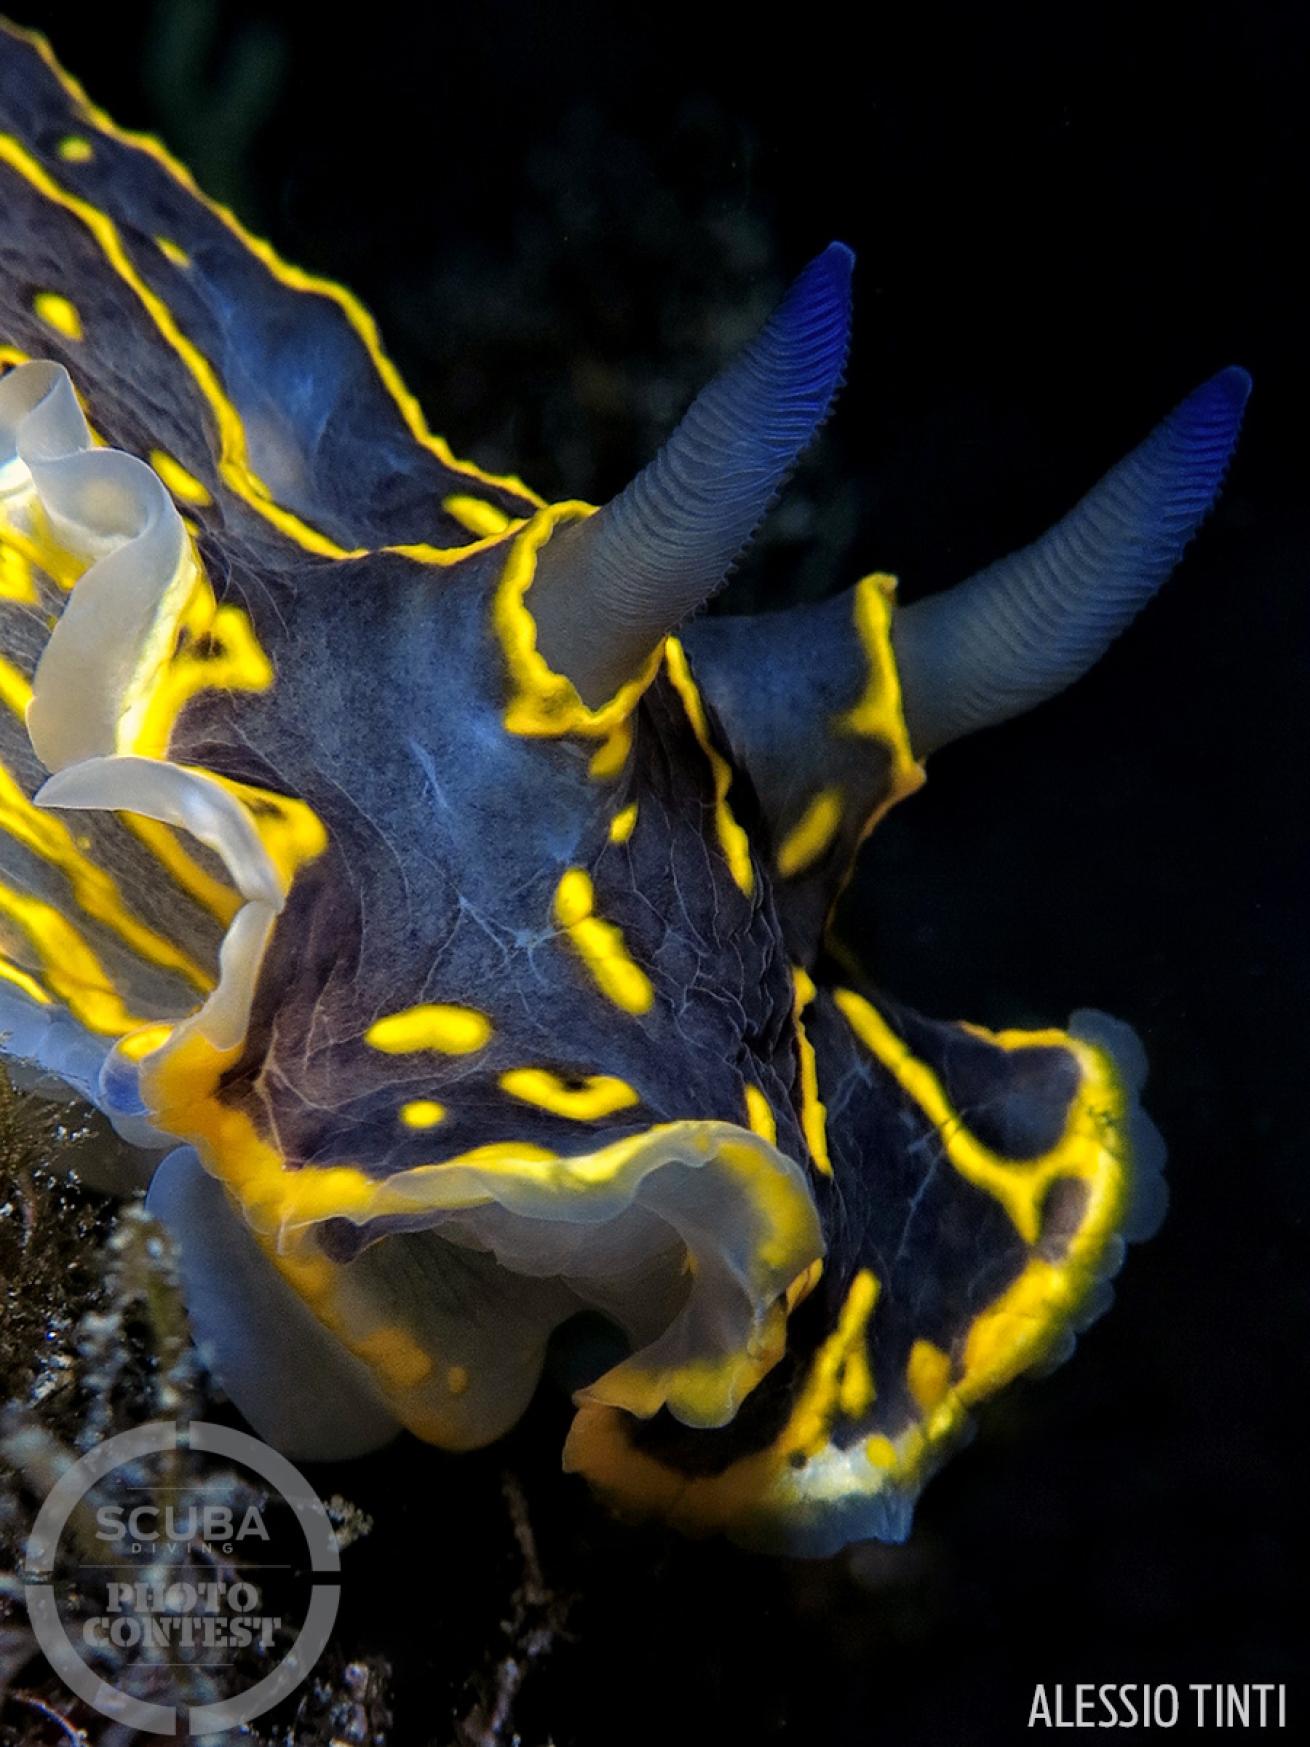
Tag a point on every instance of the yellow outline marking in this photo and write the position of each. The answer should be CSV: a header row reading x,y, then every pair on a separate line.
x,y
294,278
595,1095
838,1382
233,464
878,714
1009,1335
449,1029
600,945
732,839
1019,1185
814,1112
541,701
57,311
811,835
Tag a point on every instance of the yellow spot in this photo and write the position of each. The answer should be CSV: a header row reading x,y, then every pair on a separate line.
x,y
58,313
585,1100
732,839
394,1354
457,1379
759,1115
811,835
621,825
814,1112
422,1113
181,483
475,514
172,251
927,1374
452,1030
600,945
73,149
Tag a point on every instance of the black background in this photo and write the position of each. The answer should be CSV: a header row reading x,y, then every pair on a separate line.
x,y
564,217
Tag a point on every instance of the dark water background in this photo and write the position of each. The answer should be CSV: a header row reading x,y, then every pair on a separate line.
x,y
565,217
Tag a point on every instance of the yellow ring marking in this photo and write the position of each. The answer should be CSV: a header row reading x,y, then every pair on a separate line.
x,y
543,702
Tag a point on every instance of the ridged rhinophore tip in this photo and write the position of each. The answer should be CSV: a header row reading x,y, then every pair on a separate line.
x,y
1025,628
1211,415
814,320
1231,386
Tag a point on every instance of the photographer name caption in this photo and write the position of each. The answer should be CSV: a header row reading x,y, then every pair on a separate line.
x,y
1206,1704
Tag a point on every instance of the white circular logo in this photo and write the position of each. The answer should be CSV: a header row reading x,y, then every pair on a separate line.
x,y
190,1606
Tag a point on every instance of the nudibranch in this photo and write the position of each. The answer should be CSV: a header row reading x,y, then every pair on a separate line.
x,y
437,907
